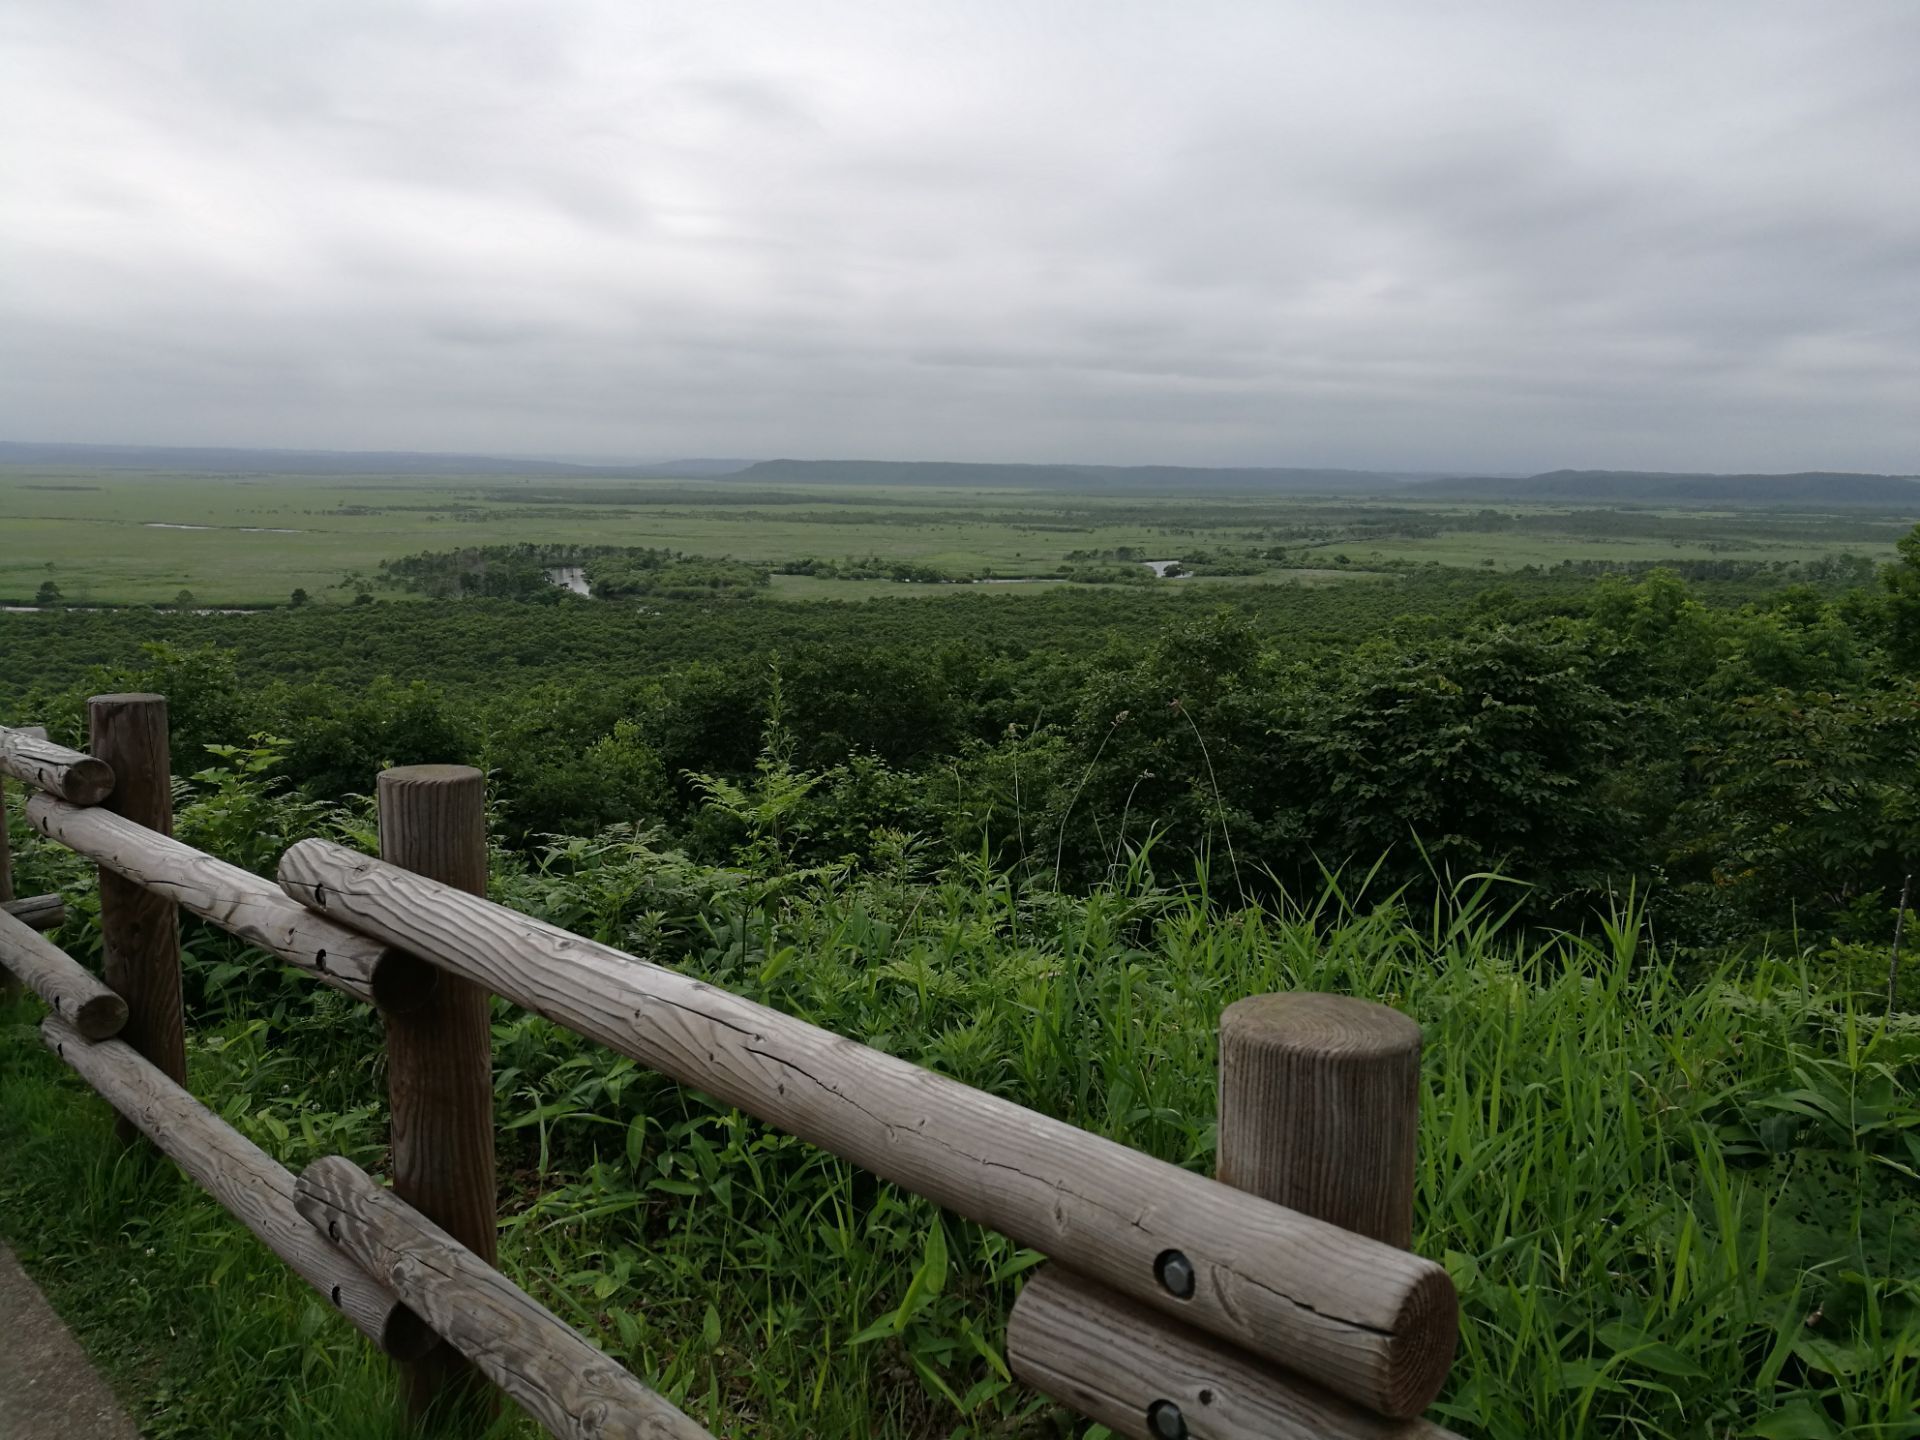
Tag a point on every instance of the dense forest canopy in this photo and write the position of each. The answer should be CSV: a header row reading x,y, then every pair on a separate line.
x,y
1738,751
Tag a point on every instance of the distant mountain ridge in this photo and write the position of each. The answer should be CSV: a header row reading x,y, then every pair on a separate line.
x,y
1601,487
233,460
1271,479
1812,488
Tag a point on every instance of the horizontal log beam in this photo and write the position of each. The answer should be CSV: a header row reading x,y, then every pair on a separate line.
x,y
75,994
38,912
549,1369
36,760
1143,1375
1372,1322
237,900
241,1176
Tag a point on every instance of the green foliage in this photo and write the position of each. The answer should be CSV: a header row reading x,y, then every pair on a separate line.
x,y
872,567
1741,763
662,575
1492,751
1675,1202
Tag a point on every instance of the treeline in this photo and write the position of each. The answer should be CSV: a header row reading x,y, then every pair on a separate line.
x,y
496,572
631,574
874,567
526,572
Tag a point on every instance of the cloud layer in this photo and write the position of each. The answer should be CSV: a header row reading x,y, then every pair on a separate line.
x,y
1504,236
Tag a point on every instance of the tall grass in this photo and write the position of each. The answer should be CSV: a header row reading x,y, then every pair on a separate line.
x,y
1675,1204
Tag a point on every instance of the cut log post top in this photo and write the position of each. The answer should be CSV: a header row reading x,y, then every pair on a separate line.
x,y
237,900
1370,1321
554,1373
241,1176
32,758
1320,1108
38,912
93,1010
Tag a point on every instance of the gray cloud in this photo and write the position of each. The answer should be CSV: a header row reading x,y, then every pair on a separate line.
x,y
1508,235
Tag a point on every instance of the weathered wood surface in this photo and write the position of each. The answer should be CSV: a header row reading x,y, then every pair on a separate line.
x,y
1320,1109
60,980
29,756
236,900
140,931
433,821
1119,1363
1369,1321
556,1375
241,1176
38,912
9,986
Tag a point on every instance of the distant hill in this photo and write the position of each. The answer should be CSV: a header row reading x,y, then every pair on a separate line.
x,y
1601,487
1815,489
690,468
222,460
1146,478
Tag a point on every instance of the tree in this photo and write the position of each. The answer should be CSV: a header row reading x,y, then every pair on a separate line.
x,y
47,594
1497,750
183,599
1902,582
298,598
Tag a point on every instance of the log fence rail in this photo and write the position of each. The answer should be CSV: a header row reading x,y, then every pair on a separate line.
x,y
1278,1300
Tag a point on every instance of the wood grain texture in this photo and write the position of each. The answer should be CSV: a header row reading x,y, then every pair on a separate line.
x,y
242,1177
29,756
6,848
236,900
1374,1323
140,931
9,983
38,912
1320,1109
433,821
63,982
1114,1361
570,1387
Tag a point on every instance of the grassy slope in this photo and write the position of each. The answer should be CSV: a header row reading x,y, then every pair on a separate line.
x,y
1673,1208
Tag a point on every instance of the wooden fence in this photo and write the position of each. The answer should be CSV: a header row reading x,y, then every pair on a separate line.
x,y
1279,1299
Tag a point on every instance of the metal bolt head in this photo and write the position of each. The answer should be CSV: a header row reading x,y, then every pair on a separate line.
x,y
1165,1420
1175,1272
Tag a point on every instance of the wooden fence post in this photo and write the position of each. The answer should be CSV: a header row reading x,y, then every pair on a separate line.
x,y
140,931
9,982
440,1059
1320,1109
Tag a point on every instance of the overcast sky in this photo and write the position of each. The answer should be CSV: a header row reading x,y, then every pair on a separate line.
x,y
1400,235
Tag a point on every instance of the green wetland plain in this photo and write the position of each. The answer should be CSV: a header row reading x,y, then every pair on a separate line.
x,y
1616,800
113,538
